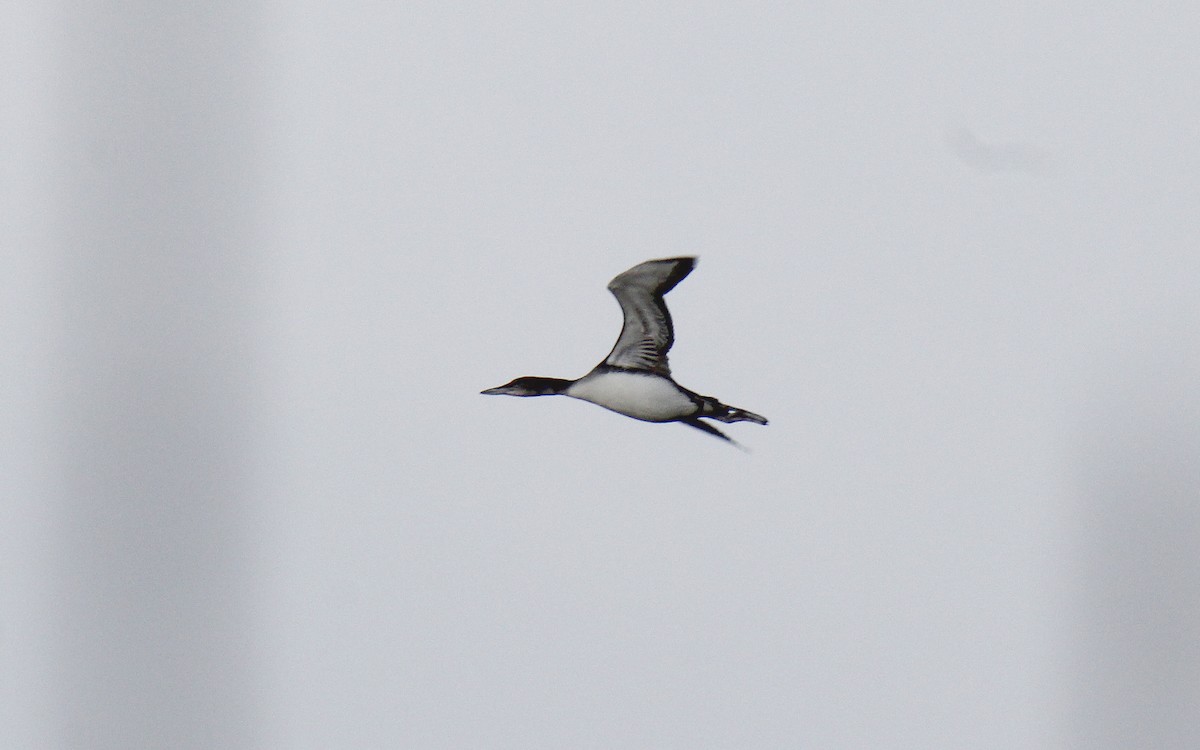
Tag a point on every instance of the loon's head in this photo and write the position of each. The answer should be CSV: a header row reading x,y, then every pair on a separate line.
x,y
530,386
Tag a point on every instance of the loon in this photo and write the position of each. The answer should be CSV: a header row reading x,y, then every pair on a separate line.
x,y
635,379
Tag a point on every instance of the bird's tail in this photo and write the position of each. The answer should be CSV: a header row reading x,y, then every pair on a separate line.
x,y
741,415
714,409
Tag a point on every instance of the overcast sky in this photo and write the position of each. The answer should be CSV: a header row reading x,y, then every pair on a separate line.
x,y
259,260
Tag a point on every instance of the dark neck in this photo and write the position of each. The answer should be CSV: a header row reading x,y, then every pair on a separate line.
x,y
547,386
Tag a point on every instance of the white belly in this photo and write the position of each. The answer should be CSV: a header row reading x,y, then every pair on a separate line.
x,y
646,397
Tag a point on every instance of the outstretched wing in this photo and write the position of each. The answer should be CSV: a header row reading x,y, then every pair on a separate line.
x,y
647,334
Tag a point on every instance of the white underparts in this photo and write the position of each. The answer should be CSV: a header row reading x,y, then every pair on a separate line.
x,y
646,397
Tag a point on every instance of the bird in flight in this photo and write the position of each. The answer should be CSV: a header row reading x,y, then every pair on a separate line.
x,y
635,379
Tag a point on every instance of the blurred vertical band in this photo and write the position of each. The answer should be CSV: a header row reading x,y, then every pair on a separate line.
x,y
156,188
1135,639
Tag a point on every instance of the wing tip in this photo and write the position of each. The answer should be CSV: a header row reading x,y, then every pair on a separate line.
x,y
684,263
681,267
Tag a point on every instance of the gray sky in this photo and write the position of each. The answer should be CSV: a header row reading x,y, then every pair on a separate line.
x,y
259,261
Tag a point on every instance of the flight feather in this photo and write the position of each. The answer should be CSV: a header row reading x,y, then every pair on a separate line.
x,y
647,334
